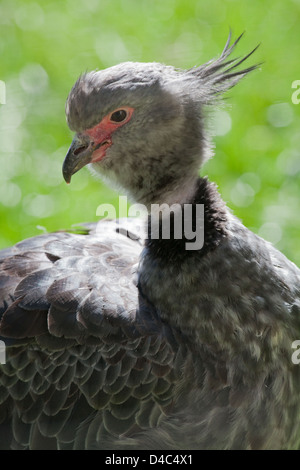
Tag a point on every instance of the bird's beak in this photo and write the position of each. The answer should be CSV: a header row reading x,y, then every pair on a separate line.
x,y
79,154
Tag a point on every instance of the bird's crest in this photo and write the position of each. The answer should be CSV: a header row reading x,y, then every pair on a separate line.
x,y
219,75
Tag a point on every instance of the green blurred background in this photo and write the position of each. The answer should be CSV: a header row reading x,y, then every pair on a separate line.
x,y
45,45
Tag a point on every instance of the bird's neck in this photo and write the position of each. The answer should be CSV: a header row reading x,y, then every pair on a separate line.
x,y
177,192
190,223
173,270
171,275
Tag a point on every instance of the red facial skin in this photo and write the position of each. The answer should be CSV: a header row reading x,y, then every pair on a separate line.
x,y
101,134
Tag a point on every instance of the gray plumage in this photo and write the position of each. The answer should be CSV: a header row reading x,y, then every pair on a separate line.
x,y
118,340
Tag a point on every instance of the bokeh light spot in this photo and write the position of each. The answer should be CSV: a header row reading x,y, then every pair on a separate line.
x,y
34,79
270,231
280,115
29,16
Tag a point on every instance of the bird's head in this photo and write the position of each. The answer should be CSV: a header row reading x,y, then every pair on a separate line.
x,y
140,125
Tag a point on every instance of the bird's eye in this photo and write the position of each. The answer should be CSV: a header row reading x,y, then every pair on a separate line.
x,y
119,115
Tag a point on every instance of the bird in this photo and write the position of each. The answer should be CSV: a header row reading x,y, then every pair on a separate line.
x,y
120,338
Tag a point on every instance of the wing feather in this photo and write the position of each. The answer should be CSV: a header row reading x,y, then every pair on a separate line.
x,y
94,354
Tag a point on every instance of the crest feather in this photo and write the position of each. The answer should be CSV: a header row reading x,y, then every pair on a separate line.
x,y
219,75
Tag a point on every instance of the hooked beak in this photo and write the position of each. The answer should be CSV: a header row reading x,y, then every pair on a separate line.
x,y
79,154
